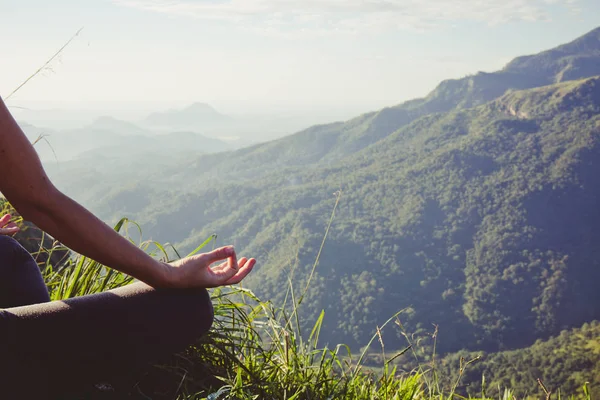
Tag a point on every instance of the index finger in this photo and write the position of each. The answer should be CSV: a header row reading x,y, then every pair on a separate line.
x,y
9,231
223,253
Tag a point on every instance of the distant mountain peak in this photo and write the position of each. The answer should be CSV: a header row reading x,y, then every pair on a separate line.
x,y
590,42
575,60
201,107
577,54
103,119
196,115
590,39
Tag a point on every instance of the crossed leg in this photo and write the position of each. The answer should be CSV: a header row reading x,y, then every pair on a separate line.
x,y
48,347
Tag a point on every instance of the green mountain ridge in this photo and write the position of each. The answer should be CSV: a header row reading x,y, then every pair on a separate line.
x,y
324,144
570,61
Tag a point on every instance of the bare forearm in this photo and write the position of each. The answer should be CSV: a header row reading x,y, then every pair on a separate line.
x,y
25,184
77,228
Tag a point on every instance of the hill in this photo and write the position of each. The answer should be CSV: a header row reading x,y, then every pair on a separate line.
x,y
110,124
109,137
564,363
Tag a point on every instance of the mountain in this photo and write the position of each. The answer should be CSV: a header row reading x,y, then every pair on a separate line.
x,y
110,124
197,116
574,60
327,143
108,137
158,145
482,221
473,208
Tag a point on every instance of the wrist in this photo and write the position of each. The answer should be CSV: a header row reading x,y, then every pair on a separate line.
x,y
165,276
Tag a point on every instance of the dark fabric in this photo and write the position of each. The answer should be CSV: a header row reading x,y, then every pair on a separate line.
x,y
51,347
21,283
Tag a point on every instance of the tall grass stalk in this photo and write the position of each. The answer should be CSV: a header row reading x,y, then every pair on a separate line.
x,y
45,65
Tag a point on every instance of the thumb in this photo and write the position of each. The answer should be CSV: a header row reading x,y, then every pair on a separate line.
x,y
5,220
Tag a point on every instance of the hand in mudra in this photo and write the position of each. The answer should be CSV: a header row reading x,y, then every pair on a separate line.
x,y
196,271
6,227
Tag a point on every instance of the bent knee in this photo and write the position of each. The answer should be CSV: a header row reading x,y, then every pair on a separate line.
x,y
11,251
8,244
189,310
202,311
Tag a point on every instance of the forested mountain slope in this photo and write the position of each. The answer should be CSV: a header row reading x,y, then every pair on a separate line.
x,y
483,221
564,363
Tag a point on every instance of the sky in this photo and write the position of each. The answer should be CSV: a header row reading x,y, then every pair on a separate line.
x,y
255,56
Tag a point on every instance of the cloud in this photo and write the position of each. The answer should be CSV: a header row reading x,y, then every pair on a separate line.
x,y
354,16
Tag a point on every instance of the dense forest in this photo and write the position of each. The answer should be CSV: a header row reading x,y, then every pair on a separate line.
x,y
472,209
479,221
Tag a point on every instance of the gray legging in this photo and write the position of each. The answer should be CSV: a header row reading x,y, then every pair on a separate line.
x,y
49,347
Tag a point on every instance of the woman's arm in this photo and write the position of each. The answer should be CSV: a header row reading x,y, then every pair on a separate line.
x,y
25,184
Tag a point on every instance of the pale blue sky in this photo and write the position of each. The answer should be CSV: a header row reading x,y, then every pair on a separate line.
x,y
256,55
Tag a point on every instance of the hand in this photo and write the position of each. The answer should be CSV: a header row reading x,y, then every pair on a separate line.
x,y
6,227
196,271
